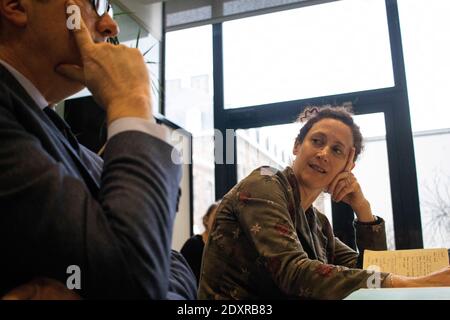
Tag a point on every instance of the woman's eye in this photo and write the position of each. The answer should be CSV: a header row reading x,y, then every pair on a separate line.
x,y
316,141
338,151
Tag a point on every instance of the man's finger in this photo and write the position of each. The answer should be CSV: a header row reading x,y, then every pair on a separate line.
x,y
349,165
80,31
73,72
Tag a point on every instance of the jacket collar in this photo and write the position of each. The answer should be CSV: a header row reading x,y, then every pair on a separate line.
x,y
17,90
27,85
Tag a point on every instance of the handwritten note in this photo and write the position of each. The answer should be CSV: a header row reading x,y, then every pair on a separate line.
x,y
411,263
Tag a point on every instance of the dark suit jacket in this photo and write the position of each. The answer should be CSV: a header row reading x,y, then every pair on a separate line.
x,y
61,207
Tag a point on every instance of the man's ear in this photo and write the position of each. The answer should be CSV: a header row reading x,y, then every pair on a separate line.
x,y
14,12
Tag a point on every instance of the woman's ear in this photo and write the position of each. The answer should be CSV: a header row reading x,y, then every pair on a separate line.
x,y
14,12
296,148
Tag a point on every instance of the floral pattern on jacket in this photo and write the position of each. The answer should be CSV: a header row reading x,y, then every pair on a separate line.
x,y
263,246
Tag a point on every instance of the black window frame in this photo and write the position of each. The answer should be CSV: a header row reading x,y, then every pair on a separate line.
x,y
392,102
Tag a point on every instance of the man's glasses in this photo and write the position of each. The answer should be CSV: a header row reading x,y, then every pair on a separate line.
x,y
102,7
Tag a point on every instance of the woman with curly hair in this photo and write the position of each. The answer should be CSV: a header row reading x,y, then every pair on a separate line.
x,y
269,242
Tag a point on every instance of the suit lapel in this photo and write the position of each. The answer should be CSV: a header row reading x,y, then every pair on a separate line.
x,y
88,178
57,146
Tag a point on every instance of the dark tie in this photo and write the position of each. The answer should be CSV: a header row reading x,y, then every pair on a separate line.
x,y
62,126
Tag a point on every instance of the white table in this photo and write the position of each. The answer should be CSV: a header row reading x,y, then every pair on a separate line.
x,y
432,293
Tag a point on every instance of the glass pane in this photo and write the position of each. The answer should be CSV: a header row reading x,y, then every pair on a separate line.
x,y
425,31
273,145
149,47
265,146
189,103
372,170
319,50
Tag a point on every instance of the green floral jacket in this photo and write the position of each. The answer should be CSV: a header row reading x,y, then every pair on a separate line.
x,y
263,246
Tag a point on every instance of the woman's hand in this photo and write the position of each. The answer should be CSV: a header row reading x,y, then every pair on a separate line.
x,y
440,278
345,187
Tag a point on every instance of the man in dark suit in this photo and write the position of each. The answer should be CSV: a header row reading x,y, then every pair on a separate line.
x,y
61,206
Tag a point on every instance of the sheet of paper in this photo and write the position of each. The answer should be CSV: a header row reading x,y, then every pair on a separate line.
x,y
411,263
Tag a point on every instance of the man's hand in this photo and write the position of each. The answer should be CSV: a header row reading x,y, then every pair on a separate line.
x,y
116,75
345,187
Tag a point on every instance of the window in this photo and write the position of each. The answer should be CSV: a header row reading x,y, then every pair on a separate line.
x,y
189,103
149,47
425,31
251,153
325,49
372,170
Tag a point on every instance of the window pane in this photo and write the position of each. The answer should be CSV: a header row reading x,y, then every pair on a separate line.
x,y
425,31
189,103
149,46
372,170
313,51
273,145
265,146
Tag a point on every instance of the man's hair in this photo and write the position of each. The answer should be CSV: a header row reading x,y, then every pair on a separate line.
x,y
312,115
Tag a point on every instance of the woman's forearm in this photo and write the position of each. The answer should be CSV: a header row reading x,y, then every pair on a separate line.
x,y
364,212
440,278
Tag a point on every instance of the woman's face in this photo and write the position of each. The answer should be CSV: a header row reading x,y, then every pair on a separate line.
x,y
323,153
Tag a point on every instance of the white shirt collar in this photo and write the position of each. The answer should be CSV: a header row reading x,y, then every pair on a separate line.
x,y
27,85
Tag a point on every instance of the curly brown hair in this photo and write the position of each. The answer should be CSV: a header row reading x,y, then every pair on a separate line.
x,y
312,115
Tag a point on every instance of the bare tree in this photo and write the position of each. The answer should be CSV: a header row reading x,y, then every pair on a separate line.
x,y
436,207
